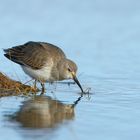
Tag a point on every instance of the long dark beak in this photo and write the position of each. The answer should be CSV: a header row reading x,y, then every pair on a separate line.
x,y
77,82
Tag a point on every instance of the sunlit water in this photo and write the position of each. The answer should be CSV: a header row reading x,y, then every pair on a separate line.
x,y
102,37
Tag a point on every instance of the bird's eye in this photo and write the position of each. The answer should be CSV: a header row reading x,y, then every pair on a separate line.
x,y
69,69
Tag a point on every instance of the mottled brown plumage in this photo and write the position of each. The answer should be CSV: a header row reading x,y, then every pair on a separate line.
x,y
34,54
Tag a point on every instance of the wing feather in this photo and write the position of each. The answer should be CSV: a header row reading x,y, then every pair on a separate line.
x,y
34,54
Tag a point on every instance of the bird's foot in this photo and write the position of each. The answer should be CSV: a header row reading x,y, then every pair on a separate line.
x,y
43,88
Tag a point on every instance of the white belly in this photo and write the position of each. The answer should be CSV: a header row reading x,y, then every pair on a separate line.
x,y
43,74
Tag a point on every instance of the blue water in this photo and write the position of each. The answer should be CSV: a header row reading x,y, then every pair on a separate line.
x,y
102,37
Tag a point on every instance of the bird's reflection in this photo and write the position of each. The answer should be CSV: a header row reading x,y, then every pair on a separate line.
x,y
44,112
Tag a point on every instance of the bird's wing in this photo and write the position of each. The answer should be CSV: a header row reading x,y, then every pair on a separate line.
x,y
32,54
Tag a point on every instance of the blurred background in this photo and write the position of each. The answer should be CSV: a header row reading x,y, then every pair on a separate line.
x,y
91,30
102,37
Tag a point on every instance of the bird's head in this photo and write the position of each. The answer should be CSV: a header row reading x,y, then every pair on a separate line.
x,y
69,70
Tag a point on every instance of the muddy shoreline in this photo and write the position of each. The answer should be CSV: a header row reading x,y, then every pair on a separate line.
x,y
10,87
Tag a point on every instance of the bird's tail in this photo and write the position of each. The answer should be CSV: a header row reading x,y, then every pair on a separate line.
x,y
14,54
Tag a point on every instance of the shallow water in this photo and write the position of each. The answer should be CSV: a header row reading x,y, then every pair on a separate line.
x,y
102,37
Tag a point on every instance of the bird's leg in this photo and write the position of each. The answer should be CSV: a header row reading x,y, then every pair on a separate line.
x,y
35,85
43,88
35,88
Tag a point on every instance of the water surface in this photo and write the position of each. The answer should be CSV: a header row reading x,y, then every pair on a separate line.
x,y
102,37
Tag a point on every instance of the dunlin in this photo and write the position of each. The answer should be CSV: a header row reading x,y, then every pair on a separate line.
x,y
43,62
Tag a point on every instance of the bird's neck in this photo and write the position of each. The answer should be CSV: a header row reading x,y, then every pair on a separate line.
x,y
60,68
